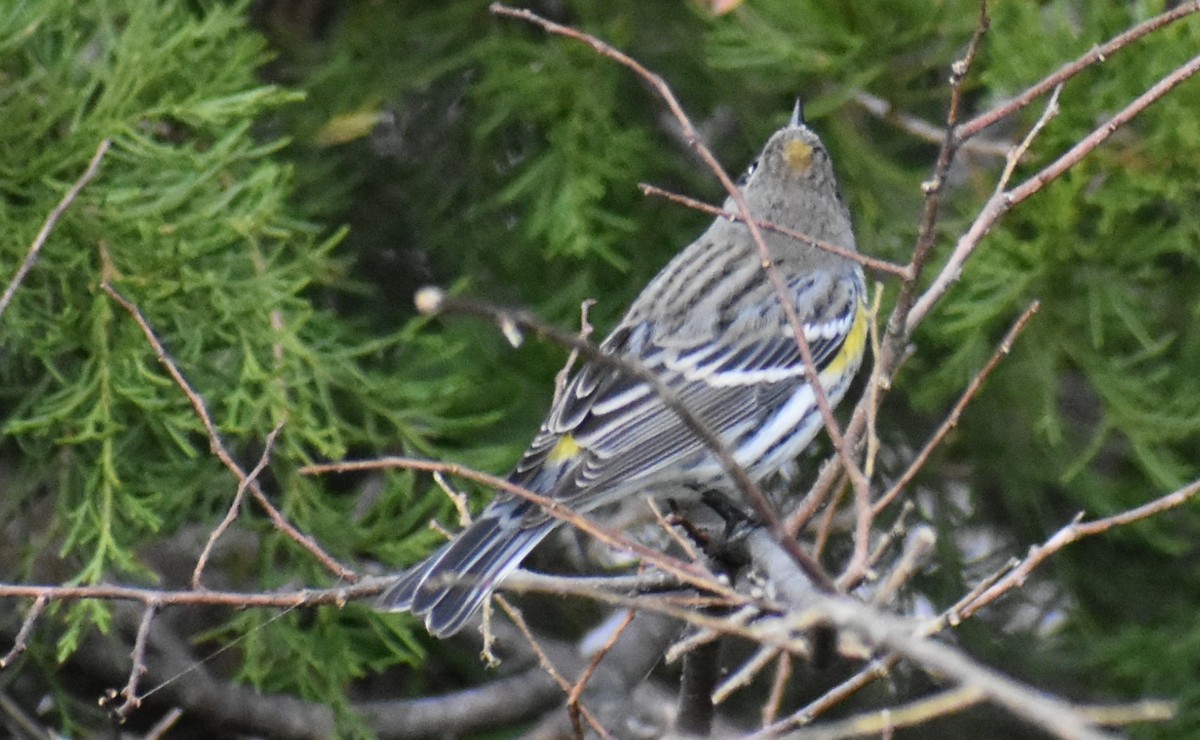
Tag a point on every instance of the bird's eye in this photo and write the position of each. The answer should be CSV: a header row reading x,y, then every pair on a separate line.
x,y
749,171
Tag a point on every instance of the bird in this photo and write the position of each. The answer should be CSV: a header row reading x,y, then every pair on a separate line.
x,y
712,329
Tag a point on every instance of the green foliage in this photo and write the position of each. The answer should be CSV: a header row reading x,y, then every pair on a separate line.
x,y
1111,251
194,219
272,236
1096,408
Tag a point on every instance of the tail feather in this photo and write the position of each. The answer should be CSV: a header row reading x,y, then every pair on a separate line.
x,y
450,586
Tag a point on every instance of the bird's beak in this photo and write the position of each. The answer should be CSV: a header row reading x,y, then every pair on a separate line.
x,y
797,114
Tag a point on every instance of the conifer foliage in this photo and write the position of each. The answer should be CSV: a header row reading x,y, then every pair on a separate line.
x,y
226,299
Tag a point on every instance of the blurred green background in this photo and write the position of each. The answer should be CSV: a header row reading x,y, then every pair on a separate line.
x,y
285,174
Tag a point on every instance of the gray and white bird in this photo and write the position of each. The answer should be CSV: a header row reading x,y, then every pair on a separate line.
x,y
709,326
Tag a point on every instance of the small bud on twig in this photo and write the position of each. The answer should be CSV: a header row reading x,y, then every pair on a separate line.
x,y
429,300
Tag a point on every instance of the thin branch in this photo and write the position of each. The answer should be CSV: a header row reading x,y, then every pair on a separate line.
x,y
886,721
884,545
1011,575
1071,533
237,709
234,507
922,129
783,672
573,698
1055,169
825,528
686,545
829,475
904,637
761,505
218,447
892,349
161,727
742,677
433,300
237,599
585,332
933,188
56,213
1097,55
576,710
918,551
138,657
881,666
996,206
872,672
1003,201
458,499
952,419
691,573
21,641
865,260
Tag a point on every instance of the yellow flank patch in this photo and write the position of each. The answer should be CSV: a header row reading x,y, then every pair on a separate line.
x,y
564,449
852,348
798,155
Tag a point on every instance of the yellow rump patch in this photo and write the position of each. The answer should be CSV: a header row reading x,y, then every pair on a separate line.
x,y
564,449
852,348
798,155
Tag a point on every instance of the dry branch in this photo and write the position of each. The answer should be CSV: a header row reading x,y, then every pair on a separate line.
x,y
55,214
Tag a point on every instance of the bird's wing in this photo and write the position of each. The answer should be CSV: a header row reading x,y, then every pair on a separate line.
x,y
610,427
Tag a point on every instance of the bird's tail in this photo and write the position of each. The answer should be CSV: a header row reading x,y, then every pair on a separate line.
x,y
451,585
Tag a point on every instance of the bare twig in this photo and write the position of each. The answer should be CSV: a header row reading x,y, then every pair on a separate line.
x,y
995,207
828,475
431,299
745,673
865,260
1118,715
904,637
234,507
238,599
927,233
21,641
1073,532
1003,201
692,573
687,546
783,672
918,549
576,710
138,657
164,725
761,505
884,722
956,411
1068,160
872,672
573,698
458,498
892,348
882,547
1097,55
585,331
880,667
56,213
1011,575
238,709
923,129
218,447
